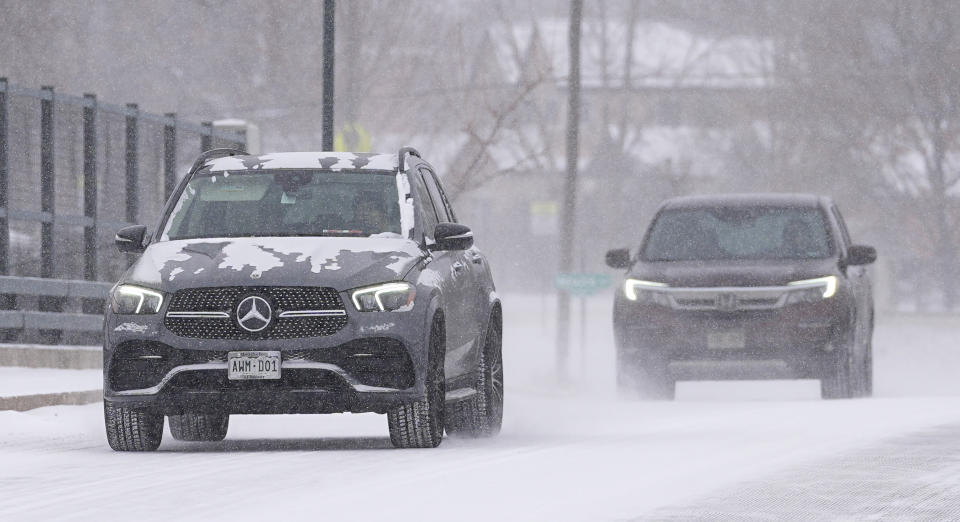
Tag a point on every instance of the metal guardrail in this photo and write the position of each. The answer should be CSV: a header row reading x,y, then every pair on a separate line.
x,y
123,161
43,320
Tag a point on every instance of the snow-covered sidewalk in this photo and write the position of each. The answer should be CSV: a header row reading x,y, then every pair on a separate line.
x,y
15,382
28,388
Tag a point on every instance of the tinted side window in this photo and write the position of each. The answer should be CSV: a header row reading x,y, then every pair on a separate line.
x,y
435,195
842,225
446,202
428,212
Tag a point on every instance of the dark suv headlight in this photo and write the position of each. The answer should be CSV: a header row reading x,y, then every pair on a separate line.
x,y
646,292
386,297
813,290
130,299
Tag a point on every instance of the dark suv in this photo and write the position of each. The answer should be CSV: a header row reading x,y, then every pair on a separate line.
x,y
310,282
741,287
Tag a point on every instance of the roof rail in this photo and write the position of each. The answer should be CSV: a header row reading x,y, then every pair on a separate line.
x,y
403,152
214,153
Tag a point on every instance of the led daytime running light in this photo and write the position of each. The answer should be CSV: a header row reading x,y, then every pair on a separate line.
x,y
631,285
829,284
379,290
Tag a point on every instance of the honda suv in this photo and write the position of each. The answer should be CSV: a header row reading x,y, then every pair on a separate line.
x,y
313,282
745,286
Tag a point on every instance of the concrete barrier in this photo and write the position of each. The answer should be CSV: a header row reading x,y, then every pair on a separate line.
x,y
51,356
40,400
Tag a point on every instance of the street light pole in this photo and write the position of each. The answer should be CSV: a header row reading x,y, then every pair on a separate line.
x,y
328,69
569,210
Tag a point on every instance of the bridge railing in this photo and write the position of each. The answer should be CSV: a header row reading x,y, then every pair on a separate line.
x,y
73,170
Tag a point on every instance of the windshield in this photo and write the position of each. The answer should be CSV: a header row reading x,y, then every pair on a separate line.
x,y
734,233
287,203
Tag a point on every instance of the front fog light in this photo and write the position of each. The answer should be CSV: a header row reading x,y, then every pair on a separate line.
x,y
388,297
129,299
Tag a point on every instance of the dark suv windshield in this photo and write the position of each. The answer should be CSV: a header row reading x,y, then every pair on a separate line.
x,y
733,233
287,203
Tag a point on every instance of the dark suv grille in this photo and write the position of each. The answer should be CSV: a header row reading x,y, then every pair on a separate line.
x,y
281,299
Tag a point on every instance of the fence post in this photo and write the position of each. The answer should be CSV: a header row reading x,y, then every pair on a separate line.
x,y
132,137
169,155
90,306
7,301
206,137
47,206
4,200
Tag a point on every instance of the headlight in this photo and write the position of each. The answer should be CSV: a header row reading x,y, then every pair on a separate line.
x,y
386,297
813,290
129,299
646,292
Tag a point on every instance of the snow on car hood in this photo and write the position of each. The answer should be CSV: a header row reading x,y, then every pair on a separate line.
x,y
341,263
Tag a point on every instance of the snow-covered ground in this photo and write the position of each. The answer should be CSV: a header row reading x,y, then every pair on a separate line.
x,y
29,381
568,452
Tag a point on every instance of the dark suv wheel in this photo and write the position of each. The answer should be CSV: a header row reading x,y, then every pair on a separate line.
x,y
420,424
482,414
647,378
198,427
841,376
132,430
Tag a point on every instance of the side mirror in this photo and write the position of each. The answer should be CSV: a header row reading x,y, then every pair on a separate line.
x,y
452,236
861,255
618,258
130,239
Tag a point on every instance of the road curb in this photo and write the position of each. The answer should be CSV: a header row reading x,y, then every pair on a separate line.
x,y
40,400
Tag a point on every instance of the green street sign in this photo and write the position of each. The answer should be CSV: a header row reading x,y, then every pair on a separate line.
x,y
583,283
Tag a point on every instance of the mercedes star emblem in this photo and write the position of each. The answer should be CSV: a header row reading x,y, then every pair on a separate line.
x,y
254,313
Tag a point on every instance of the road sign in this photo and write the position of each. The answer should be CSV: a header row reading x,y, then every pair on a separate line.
x,y
583,283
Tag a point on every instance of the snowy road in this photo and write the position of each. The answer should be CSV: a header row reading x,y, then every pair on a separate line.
x,y
575,454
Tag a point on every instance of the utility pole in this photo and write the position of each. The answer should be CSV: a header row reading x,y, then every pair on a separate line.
x,y
328,56
569,211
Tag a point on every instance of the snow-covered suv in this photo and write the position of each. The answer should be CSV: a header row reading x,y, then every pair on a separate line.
x,y
306,282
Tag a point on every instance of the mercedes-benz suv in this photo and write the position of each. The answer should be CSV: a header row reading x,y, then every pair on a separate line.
x,y
744,287
313,282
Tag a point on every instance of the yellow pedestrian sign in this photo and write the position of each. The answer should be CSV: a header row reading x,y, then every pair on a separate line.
x,y
352,138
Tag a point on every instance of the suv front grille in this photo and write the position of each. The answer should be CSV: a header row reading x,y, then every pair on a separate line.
x,y
216,309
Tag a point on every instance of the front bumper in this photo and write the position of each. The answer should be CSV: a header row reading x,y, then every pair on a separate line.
x,y
788,342
375,362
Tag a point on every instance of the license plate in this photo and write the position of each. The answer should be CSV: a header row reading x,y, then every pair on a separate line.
x,y
253,365
727,340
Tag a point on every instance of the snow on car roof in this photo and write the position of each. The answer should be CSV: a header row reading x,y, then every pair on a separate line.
x,y
306,160
746,199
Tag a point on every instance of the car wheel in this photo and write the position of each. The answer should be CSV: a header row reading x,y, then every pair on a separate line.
x,y
838,374
647,379
132,430
198,427
868,371
420,424
868,361
481,415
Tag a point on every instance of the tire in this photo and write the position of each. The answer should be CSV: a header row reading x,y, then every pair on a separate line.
x,y
198,427
481,415
868,361
843,375
837,377
647,379
132,430
868,371
420,424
